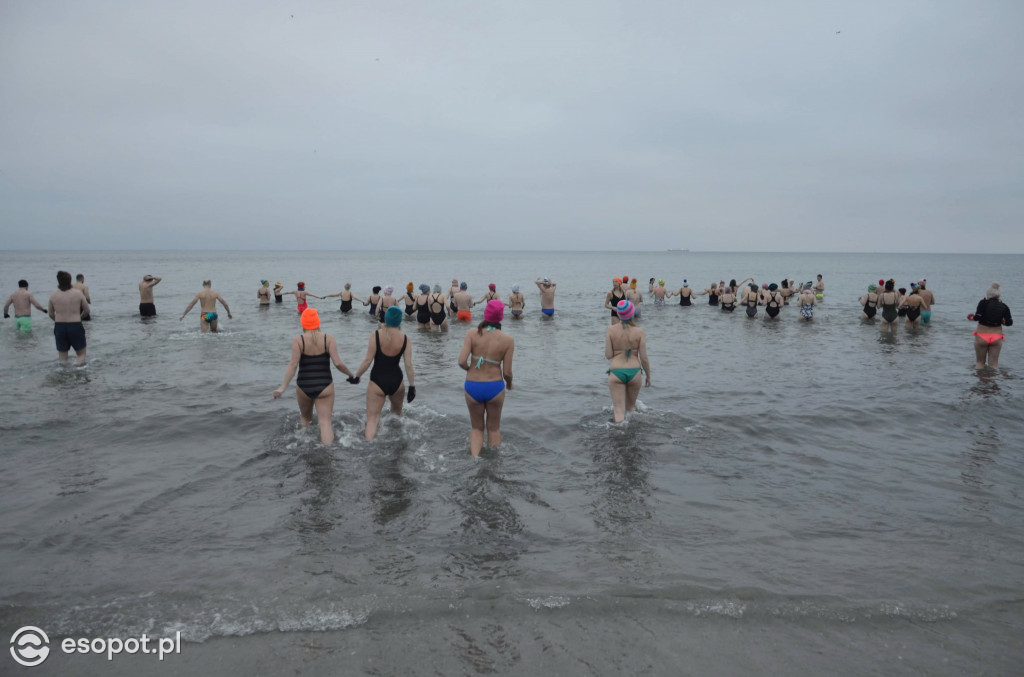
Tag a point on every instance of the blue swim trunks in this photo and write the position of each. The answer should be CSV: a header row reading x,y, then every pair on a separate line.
x,y
210,317
484,391
548,311
69,335
926,316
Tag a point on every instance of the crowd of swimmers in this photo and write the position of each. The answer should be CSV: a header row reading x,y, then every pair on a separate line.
x,y
430,307
487,351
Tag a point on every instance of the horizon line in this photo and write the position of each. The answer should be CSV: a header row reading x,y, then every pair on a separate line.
x,y
525,251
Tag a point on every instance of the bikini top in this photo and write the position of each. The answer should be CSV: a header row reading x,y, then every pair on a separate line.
x,y
481,359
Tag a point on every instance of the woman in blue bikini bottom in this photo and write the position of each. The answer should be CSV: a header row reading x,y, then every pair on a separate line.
x,y
487,377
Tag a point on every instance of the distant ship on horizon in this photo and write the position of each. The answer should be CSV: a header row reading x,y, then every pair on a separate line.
x,y
680,250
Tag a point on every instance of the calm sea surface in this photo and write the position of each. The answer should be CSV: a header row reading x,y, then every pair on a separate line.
x,y
816,477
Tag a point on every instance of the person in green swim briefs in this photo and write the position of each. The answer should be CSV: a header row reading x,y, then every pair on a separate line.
x,y
626,346
22,301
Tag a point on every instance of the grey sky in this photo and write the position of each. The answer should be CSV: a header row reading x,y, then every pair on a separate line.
x,y
474,125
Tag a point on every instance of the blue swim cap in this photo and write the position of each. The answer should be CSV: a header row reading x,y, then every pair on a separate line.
x,y
424,288
463,286
515,288
393,316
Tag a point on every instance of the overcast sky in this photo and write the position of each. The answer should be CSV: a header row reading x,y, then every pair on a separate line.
x,y
551,124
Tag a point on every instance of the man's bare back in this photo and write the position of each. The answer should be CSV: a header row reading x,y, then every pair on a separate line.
x,y
207,299
22,300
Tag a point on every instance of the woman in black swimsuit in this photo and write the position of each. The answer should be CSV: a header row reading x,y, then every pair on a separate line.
x,y
422,307
312,354
772,302
611,301
750,300
889,300
374,302
870,303
346,298
410,300
388,347
712,294
435,305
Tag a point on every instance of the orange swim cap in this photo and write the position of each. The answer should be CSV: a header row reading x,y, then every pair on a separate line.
x,y
617,279
310,319
409,286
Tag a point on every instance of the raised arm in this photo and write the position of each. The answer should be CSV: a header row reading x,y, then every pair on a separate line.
x,y
356,298
293,364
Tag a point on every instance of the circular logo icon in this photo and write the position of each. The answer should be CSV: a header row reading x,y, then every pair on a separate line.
x,y
30,646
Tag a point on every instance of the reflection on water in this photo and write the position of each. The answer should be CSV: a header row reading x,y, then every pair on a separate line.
x,y
489,546
391,493
620,475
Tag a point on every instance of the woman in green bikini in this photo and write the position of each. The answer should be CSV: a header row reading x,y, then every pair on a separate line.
x,y
626,346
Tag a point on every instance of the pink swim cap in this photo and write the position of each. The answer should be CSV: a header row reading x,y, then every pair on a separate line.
x,y
494,311
491,286
625,310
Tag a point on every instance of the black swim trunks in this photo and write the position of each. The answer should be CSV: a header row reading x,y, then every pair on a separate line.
x,y
147,310
69,335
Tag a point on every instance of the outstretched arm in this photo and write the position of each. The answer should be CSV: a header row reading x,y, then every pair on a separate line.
x,y
194,299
